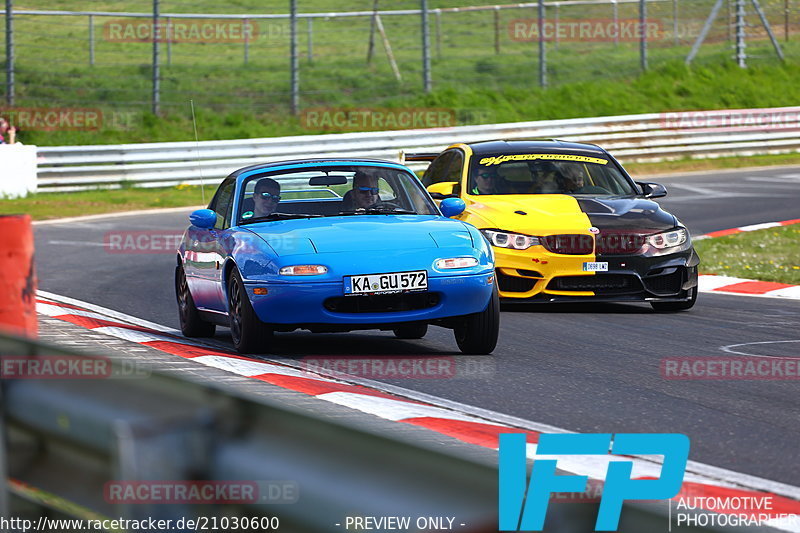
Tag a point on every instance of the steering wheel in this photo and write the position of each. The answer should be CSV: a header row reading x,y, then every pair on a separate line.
x,y
386,203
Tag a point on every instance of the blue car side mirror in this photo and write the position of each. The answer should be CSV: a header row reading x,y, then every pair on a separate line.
x,y
451,207
203,218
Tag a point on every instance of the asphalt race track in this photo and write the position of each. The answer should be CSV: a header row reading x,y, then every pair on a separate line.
x,y
583,368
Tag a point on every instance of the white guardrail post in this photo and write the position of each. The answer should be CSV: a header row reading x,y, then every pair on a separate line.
x,y
637,138
17,170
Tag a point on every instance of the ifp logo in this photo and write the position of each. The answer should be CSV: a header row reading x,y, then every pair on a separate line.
x,y
526,512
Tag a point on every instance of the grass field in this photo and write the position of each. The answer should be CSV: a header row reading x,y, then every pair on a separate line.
x,y
479,85
721,163
768,254
44,206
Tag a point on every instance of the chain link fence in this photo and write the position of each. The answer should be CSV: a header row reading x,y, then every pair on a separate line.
x,y
100,67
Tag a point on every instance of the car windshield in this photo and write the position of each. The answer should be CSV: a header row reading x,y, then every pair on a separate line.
x,y
542,173
336,190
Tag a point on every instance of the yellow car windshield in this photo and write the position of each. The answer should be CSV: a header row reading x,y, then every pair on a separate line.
x,y
547,174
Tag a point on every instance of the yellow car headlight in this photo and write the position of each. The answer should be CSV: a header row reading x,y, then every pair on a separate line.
x,y
668,239
505,239
667,242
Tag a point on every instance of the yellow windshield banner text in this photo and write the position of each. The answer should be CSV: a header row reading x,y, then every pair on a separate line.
x,y
498,159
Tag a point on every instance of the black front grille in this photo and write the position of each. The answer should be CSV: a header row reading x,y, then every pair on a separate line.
x,y
619,243
572,244
508,283
600,283
665,284
382,303
529,273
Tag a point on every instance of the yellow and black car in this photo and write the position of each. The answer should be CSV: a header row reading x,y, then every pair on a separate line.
x,y
567,223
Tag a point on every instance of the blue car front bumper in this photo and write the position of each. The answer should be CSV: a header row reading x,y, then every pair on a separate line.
x,y
298,303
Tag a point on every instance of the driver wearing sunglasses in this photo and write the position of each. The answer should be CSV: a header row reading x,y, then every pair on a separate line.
x,y
365,190
266,197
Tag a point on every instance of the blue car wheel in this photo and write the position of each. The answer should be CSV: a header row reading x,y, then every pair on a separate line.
x,y
191,323
248,333
477,334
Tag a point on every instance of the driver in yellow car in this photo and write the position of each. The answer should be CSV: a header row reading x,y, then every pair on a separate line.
x,y
487,181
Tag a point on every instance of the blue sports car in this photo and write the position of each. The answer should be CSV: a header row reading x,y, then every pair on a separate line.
x,y
334,245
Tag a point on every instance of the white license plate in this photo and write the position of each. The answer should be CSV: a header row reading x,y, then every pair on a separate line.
x,y
388,283
595,267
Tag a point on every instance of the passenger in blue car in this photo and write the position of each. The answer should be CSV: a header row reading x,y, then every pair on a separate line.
x,y
266,197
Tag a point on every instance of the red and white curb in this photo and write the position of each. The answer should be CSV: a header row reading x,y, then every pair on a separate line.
x,y
749,287
701,481
743,229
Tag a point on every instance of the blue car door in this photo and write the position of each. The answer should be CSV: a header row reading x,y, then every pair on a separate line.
x,y
205,255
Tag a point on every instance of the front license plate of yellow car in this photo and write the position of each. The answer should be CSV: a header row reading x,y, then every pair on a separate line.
x,y
388,283
595,266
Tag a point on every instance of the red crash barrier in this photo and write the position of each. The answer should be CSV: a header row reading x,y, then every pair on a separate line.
x,y
17,276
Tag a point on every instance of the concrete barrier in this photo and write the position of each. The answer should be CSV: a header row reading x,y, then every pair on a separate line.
x,y
18,278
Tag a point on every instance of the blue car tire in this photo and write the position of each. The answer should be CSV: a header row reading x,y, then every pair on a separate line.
x,y
477,334
248,333
191,323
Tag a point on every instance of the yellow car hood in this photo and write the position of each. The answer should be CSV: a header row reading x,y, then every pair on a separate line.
x,y
543,214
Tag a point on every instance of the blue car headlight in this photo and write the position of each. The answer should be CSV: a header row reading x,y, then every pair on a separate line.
x,y
303,270
455,262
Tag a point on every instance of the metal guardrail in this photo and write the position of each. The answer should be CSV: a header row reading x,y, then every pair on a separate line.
x,y
65,439
327,14
637,138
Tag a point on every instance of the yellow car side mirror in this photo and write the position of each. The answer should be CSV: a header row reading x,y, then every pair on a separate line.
x,y
442,190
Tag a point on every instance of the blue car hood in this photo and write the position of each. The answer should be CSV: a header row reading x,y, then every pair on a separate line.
x,y
362,233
